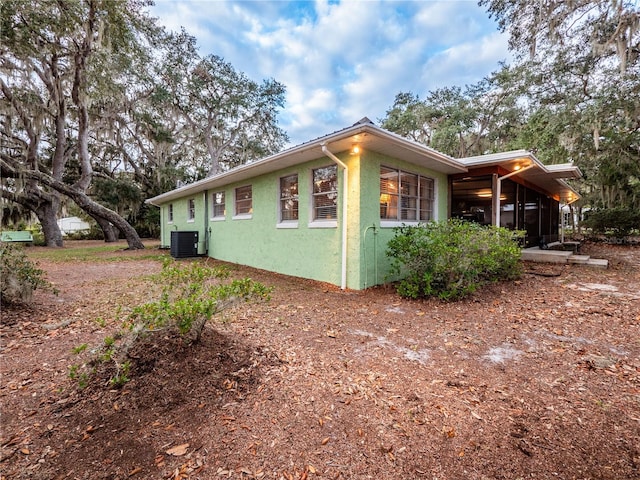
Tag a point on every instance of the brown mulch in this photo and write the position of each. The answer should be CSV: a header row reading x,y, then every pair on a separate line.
x,y
539,378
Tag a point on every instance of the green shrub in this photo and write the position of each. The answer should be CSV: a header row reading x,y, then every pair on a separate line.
x,y
20,277
191,294
618,222
452,259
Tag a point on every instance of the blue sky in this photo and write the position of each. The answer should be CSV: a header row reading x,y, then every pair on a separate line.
x,y
343,60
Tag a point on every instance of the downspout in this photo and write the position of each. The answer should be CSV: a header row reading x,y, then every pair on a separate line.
x,y
496,201
345,187
206,222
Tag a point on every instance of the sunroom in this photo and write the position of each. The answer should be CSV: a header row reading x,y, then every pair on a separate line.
x,y
513,190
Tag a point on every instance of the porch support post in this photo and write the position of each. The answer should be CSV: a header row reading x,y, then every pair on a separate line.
x,y
495,189
497,192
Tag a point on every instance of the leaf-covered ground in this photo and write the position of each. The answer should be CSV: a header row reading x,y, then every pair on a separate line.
x,y
534,379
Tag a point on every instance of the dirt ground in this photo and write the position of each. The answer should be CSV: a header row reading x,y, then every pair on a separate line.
x,y
534,379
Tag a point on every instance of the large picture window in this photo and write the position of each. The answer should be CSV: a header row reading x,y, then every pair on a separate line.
x,y
289,198
244,200
405,196
218,206
325,193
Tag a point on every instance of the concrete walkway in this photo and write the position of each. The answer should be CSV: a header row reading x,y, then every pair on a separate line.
x,y
535,254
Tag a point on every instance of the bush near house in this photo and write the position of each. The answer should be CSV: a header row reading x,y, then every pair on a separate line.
x,y
19,276
617,222
451,259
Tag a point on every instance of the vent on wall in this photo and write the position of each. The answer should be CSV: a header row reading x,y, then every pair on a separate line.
x,y
184,244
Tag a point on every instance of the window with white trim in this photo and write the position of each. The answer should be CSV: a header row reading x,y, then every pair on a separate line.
x,y
289,198
218,209
405,196
244,200
170,213
191,210
325,193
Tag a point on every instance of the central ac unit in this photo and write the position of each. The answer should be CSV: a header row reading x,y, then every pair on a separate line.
x,y
184,244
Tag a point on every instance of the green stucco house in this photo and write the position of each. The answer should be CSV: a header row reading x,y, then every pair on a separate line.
x,y
325,209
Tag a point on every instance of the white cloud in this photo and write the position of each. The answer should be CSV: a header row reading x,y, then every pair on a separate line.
x,y
465,63
342,61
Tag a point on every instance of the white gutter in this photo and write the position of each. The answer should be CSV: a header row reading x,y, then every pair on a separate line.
x,y
345,188
499,188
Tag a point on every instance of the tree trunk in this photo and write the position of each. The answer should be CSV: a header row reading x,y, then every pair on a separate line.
x,y
46,213
578,214
109,231
214,155
82,200
45,207
98,211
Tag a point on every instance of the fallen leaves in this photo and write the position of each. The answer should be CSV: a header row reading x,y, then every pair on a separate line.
x,y
178,450
243,471
191,467
449,432
337,379
135,471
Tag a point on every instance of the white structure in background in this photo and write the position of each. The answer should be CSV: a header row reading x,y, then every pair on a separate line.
x,y
566,215
71,225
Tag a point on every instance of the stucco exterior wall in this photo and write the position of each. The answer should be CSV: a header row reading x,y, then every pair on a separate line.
x,y
181,221
307,249
374,265
304,248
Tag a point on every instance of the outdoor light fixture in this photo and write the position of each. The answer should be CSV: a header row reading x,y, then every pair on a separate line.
x,y
355,149
520,166
488,193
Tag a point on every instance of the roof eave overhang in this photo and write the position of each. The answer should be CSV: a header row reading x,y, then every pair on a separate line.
x,y
367,135
550,178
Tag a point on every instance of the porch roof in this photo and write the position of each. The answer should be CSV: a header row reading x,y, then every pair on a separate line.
x,y
550,178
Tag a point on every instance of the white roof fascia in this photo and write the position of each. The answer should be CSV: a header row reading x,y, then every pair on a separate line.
x,y
571,170
492,158
295,156
418,147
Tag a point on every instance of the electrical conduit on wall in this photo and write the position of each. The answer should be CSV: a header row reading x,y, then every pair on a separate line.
x,y
375,255
345,187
